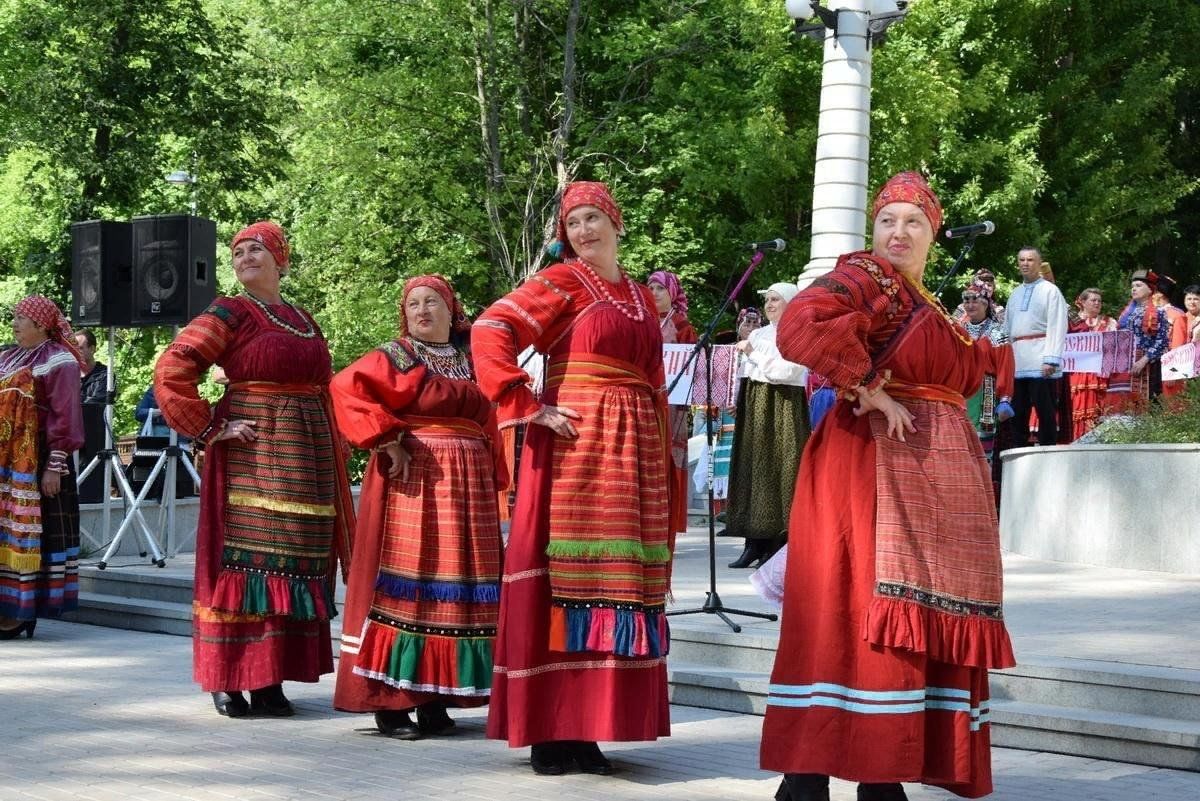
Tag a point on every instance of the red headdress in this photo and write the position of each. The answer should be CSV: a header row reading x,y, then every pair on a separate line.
x,y
586,193
670,281
458,318
271,236
45,313
910,187
1147,277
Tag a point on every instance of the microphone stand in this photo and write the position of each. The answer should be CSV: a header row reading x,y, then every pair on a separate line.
x,y
968,246
712,601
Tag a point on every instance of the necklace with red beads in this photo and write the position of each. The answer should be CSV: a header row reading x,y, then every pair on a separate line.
x,y
600,286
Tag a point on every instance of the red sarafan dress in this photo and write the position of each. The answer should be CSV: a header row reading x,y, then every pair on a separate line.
x,y
582,641
1088,389
424,588
275,513
892,612
677,330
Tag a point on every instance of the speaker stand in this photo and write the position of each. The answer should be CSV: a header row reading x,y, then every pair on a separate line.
x,y
112,464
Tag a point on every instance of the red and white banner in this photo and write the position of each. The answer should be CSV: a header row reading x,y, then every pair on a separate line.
x,y
691,389
1101,352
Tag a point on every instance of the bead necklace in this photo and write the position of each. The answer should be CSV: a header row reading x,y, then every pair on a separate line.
x,y
601,286
442,358
962,335
284,324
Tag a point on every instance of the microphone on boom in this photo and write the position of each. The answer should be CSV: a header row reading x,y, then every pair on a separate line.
x,y
978,229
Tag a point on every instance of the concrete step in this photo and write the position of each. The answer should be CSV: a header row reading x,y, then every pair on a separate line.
x,y
153,585
1141,739
138,614
1160,692
708,687
750,653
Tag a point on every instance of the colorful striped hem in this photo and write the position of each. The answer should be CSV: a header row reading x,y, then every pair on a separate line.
x,y
452,591
879,702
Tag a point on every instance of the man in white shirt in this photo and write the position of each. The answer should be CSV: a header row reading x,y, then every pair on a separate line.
x,y
1036,324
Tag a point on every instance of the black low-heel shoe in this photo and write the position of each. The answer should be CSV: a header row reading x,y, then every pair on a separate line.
x,y
25,627
548,759
803,787
589,758
892,791
397,724
433,720
231,704
270,700
749,555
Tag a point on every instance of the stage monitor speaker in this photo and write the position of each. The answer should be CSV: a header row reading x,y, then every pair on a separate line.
x,y
101,273
174,268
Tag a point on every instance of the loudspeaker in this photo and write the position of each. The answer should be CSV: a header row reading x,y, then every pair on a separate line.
x,y
145,455
174,268
101,273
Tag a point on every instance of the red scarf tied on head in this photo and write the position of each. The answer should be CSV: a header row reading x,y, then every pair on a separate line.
x,y
670,282
910,187
46,314
459,323
586,193
271,236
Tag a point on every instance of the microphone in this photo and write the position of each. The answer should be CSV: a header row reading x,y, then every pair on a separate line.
x,y
978,229
777,245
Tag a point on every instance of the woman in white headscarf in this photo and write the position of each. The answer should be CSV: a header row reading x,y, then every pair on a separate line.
x,y
772,427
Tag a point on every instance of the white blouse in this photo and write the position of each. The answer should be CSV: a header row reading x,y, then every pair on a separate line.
x,y
765,364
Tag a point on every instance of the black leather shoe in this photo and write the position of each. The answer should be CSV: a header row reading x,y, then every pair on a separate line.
x,y
231,704
396,723
588,757
548,759
749,554
433,720
893,791
25,627
803,787
271,701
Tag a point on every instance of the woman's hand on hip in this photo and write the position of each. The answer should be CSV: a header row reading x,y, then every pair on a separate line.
x,y
899,419
401,459
241,430
558,419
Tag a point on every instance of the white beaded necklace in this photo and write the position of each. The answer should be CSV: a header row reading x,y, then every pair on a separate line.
x,y
284,324
601,286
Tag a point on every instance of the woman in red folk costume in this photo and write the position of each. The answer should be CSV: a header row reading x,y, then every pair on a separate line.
x,y
582,641
1088,389
892,614
424,589
275,506
41,424
671,303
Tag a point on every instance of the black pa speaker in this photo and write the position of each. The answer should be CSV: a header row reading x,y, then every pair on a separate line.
x,y
101,273
174,268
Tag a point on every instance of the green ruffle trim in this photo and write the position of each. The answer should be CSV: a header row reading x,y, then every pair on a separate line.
x,y
413,661
257,594
596,549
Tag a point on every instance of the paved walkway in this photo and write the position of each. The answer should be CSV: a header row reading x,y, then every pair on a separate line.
x,y
100,714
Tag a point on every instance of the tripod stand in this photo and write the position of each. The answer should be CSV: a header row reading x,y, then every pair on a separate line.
x,y
712,600
169,459
111,461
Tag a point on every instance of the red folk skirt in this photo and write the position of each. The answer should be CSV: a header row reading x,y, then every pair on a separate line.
x,y
838,705
421,602
540,695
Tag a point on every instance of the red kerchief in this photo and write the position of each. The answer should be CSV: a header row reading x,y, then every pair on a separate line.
x,y
45,313
586,193
440,285
910,187
271,236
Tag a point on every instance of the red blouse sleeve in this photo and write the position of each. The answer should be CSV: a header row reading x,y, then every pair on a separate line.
x,y
828,325
64,420
685,334
179,370
369,396
532,314
1004,368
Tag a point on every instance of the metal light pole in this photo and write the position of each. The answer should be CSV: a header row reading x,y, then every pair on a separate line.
x,y
839,218
185,178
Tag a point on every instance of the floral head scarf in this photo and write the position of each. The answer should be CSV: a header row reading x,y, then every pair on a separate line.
x,y
586,193
910,187
271,236
46,314
670,281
